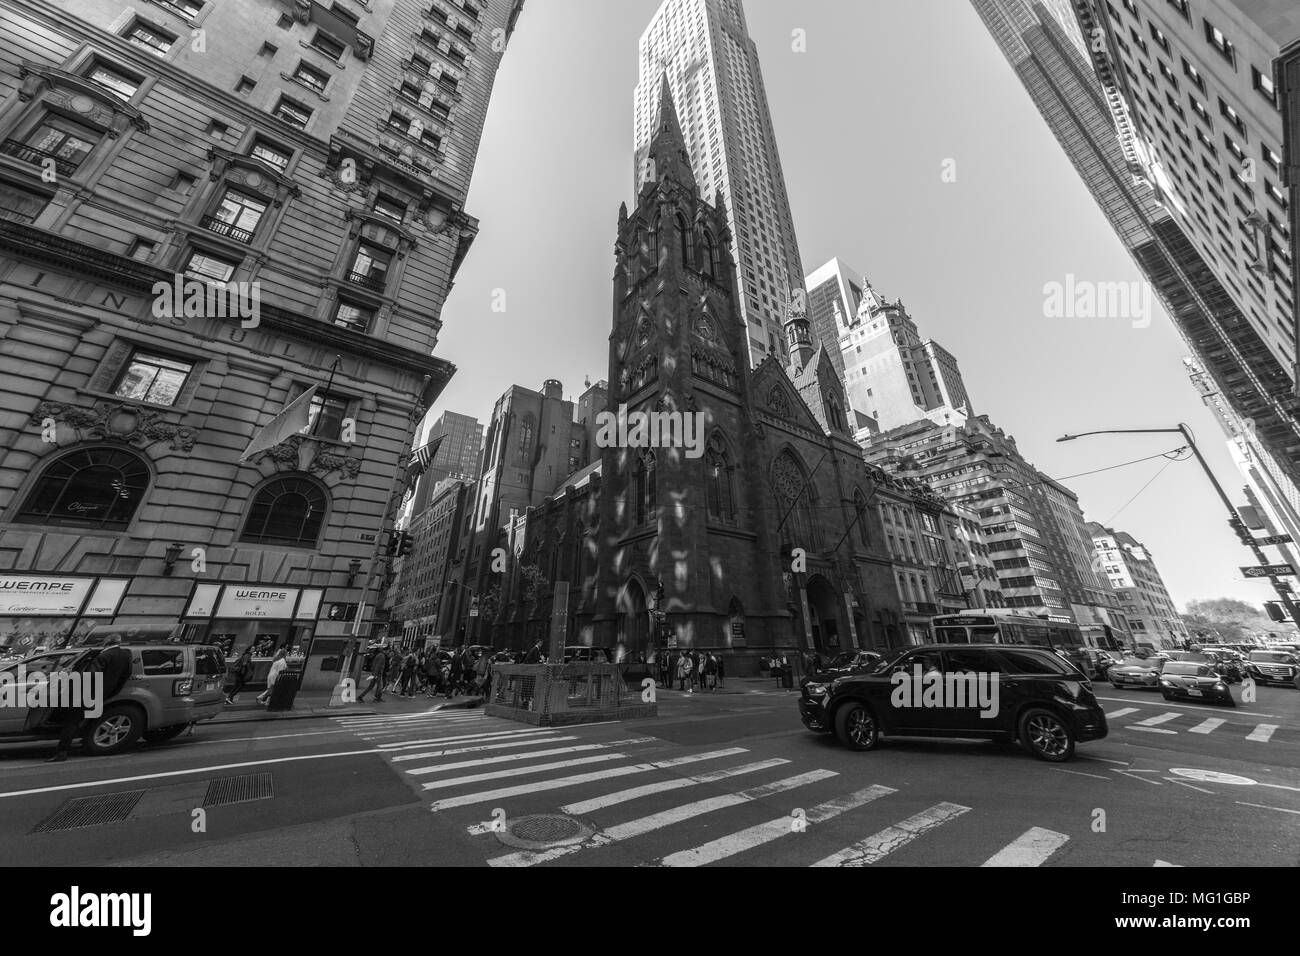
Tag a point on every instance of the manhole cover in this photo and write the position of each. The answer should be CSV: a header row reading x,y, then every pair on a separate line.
x,y
543,832
91,811
1211,776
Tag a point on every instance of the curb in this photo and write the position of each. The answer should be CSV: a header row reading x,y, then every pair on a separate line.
x,y
255,716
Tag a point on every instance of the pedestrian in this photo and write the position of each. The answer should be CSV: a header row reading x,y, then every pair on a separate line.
x,y
457,671
115,663
535,655
432,673
711,670
278,666
721,671
696,675
684,665
378,675
243,670
482,672
408,676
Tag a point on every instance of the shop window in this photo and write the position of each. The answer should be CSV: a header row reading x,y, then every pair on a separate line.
x,y
88,488
287,511
152,378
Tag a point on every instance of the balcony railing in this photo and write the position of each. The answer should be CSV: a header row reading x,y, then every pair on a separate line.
x,y
213,224
37,157
369,280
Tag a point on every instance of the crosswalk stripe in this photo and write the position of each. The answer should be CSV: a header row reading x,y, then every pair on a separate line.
x,y
1209,725
519,771
483,735
389,730
1163,863
1158,719
623,796
1111,715
879,845
665,818
756,836
406,718
529,755
1262,732
478,748
559,783
1031,848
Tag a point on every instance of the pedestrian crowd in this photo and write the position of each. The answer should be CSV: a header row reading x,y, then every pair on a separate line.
x,y
460,671
689,669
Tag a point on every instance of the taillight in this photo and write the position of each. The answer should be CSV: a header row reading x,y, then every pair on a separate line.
x,y
182,687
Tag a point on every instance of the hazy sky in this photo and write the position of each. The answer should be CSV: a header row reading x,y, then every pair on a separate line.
x,y
887,91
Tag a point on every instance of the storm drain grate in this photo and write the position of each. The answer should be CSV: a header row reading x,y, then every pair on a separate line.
x,y
91,811
543,831
241,789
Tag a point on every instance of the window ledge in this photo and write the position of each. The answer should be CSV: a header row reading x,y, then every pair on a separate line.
x,y
306,86
179,408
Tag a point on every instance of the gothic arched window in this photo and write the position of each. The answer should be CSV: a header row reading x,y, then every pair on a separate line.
x,y
860,515
684,240
288,511
88,488
717,477
526,430
652,244
646,490
794,502
708,256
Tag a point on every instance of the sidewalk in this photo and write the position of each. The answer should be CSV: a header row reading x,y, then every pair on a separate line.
x,y
314,705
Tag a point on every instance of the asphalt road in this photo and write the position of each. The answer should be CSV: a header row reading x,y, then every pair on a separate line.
x,y
715,779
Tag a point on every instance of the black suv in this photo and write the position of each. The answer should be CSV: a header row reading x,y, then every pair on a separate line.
x,y
982,691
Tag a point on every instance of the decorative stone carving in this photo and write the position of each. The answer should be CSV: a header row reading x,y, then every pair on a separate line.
x,y
108,421
300,453
786,478
778,402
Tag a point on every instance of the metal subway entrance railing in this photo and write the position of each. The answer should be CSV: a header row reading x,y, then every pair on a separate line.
x,y
565,694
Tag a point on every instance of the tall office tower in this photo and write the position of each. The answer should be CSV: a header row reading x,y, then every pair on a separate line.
x,y
1114,141
1031,525
315,157
1143,596
459,453
834,292
893,375
703,47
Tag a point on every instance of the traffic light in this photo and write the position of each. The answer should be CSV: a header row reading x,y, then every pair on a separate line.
x,y
393,537
405,544
1274,610
1239,528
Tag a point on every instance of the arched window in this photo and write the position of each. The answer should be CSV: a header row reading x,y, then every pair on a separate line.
x,y
708,256
526,430
861,516
88,488
684,240
287,511
794,503
652,245
717,478
833,413
646,492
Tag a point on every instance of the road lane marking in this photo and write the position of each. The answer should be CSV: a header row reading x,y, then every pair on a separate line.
x,y
665,818
1184,783
756,836
528,755
1031,848
1123,711
559,783
1152,730
1080,773
1130,773
585,807
880,845
1207,726
1163,863
181,773
1263,806
1158,719
1239,713
1262,733
478,748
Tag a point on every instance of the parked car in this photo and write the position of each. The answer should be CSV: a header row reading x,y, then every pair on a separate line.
x,y
1136,672
1190,680
1042,701
845,663
1093,661
1273,667
171,687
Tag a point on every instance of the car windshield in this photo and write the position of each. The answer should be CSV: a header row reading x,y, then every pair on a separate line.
x,y
1187,669
1270,657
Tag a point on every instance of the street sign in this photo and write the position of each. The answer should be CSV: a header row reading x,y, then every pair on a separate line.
x,y
1275,539
1268,570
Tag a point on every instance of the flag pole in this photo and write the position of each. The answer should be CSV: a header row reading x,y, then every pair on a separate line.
x,y
328,384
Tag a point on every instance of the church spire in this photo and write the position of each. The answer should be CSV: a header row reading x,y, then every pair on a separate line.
x,y
667,155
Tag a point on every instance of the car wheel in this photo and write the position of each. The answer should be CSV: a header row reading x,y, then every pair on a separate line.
x,y
856,727
1046,735
117,728
160,735
1166,695
1116,686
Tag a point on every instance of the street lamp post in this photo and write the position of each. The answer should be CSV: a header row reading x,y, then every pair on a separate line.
x,y
1223,495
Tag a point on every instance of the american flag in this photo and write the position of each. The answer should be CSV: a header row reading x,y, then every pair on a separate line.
x,y
421,459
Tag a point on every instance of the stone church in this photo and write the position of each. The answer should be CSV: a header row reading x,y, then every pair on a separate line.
x,y
768,539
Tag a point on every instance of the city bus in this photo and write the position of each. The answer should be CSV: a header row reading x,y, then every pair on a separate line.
x,y
983,627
